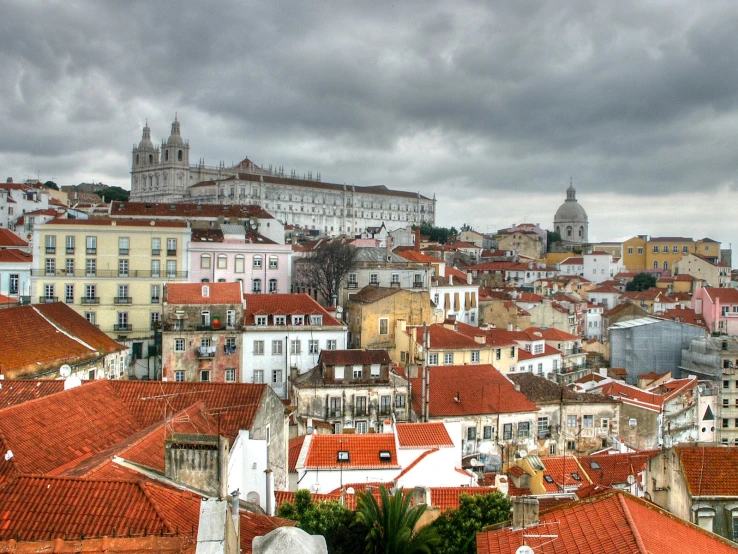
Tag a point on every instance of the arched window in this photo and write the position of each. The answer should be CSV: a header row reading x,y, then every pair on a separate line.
x,y
273,262
222,261
581,232
179,155
205,261
257,262
272,285
240,263
655,264
568,232
256,288
666,266
166,155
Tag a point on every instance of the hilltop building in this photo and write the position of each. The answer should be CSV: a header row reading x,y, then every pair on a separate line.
x,y
571,221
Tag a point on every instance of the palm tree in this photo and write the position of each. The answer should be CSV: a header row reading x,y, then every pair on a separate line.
x,y
391,523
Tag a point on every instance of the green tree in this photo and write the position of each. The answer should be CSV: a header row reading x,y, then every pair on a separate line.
x,y
326,267
334,521
390,524
458,528
437,234
642,281
552,237
51,185
113,194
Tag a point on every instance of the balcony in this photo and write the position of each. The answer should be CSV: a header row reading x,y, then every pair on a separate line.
x,y
90,300
155,299
206,351
171,252
123,251
69,300
352,286
122,327
417,284
123,300
24,300
91,251
47,299
51,249
114,273
70,249
156,252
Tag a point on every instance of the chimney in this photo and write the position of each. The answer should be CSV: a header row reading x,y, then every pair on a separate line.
x,y
421,496
198,461
469,278
416,246
501,484
525,512
450,279
480,339
509,326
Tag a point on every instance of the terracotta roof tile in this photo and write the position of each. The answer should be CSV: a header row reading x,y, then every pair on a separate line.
x,y
354,357
710,470
413,256
614,469
423,435
185,211
443,338
471,390
540,389
363,451
12,256
284,304
549,334
294,449
623,523
9,238
564,471
449,498
181,544
201,293
371,293
14,392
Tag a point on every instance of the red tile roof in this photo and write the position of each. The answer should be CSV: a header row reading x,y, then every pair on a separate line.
x,y
449,498
614,469
354,357
724,295
470,390
413,256
40,338
14,392
12,256
563,470
105,222
201,293
547,351
284,304
549,334
185,211
294,449
443,338
423,435
363,451
710,470
9,238
608,523
181,544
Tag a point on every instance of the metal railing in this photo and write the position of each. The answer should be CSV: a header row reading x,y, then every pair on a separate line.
x,y
90,300
122,327
47,299
122,300
133,273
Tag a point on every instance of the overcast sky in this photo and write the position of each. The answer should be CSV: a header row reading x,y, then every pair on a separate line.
x,y
492,106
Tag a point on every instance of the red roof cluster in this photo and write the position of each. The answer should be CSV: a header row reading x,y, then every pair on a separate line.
x,y
10,239
284,304
423,435
204,293
709,470
363,451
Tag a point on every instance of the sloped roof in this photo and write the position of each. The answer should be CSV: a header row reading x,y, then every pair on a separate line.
x,y
710,470
724,295
614,469
14,391
540,389
354,357
419,257
480,389
185,210
9,238
449,498
294,448
608,523
284,304
550,333
441,337
423,435
42,337
371,293
363,451
194,293
13,256
564,471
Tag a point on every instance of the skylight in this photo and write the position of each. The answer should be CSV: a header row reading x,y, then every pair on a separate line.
x,y
594,465
343,456
548,479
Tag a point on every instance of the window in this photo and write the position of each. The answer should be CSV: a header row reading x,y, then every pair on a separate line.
x,y
256,286
675,249
471,433
448,358
260,319
276,347
230,319
171,247
49,291
605,423
205,375
122,297
400,400
313,346
123,268
498,354
179,376
280,320
179,345
155,320
523,429
90,317
50,266
383,326
155,268
316,320
361,405
124,244
726,423
330,344
633,422
655,249
538,349
507,431
205,261
373,279
222,261
91,245
640,250
276,376
155,294
630,250
543,427
122,318
361,427
298,319
395,277
726,384
257,262
230,375
295,347
171,269
512,351
51,244
240,263
258,347
273,262
487,432
69,294
352,283
358,372
205,318
14,280
685,249
339,371
70,244
432,359
571,421
272,285
385,404
571,445
666,249
588,422
475,356
258,376
155,246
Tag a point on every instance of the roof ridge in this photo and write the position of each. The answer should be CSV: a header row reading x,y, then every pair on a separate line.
x,y
631,523
415,462
142,487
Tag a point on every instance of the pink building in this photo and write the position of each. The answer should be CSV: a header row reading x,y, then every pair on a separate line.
x,y
230,253
719,309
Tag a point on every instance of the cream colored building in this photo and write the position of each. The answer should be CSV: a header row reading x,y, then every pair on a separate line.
x,y
112,273
700,267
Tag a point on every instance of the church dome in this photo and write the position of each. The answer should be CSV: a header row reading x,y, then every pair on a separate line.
x,y
175,138
571,210
146,143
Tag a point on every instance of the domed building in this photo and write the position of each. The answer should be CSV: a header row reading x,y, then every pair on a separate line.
x,y
571,220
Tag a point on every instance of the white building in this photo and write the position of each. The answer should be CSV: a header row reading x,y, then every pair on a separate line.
x,y
16,199
164,174
601,266
593,321
284,333
15,265
456,296
606,296
573,265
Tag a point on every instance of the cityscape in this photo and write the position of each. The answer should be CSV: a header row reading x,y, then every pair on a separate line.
x,y
466,284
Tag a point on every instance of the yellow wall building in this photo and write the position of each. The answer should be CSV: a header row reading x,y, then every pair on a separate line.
x,y
662,253
634,254
111,272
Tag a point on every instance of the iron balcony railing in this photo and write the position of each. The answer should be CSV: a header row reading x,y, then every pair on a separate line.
x,y
133,273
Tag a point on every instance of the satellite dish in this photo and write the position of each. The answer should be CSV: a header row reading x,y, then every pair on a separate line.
x,y
525,549
475,463
339,309
631,479
65,370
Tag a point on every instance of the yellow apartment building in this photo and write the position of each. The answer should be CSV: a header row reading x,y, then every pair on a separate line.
x,y
112,272
634,254
641,253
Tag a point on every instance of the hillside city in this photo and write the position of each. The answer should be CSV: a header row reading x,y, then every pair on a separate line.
x,y
223,355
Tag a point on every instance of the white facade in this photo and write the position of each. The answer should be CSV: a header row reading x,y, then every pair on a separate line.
x,y
606,298
457,300
543,365
246,464
593,322
601,266
17,199
15,277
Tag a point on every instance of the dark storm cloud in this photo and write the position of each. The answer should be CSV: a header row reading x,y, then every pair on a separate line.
x,y
477,98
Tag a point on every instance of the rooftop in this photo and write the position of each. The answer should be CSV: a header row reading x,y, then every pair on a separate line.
x,y
363,451
423,435
204,293
284,304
